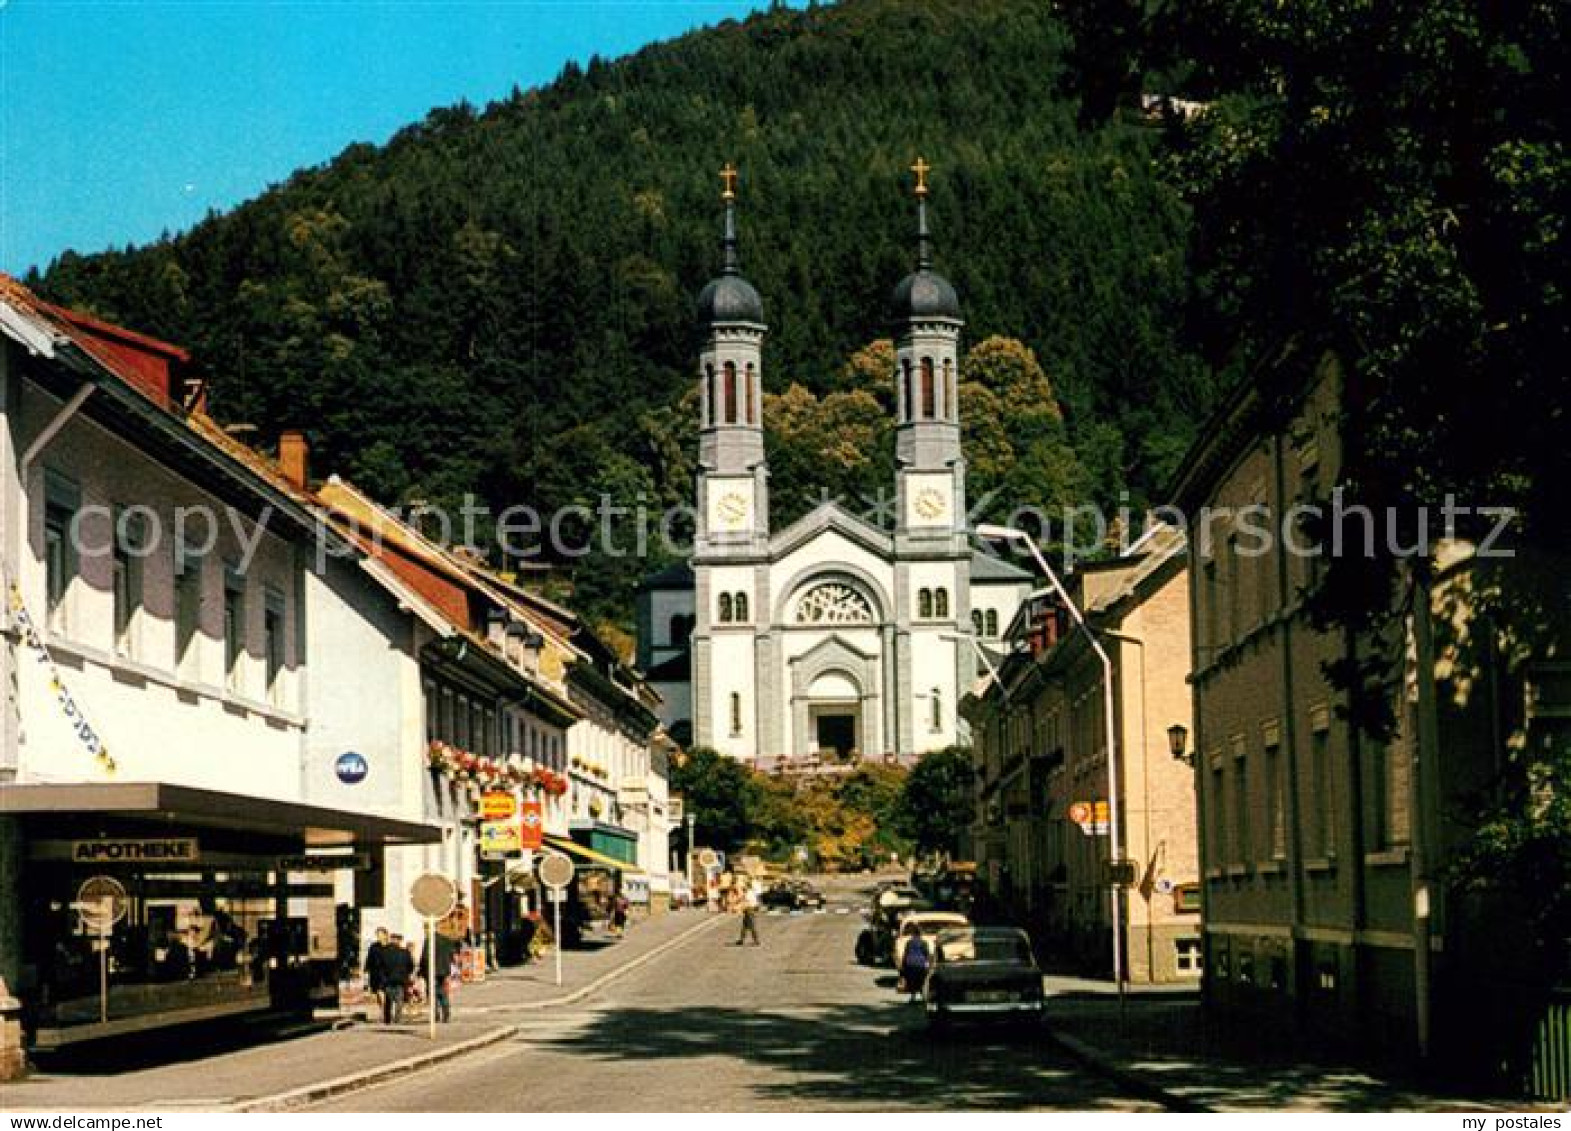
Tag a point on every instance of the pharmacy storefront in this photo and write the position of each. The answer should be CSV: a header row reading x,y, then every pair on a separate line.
x,y
144,905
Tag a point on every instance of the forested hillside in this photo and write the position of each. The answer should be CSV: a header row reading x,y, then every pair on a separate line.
x,y
500,300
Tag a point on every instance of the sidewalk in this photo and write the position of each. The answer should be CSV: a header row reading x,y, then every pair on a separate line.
x,y
1166,1049
356,1055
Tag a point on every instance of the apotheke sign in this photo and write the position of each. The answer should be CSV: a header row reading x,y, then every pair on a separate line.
x,y
165,850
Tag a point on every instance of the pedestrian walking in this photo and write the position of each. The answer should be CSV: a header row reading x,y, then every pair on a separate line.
x,y
749,907
376,965
441,998
398,970
619,913
915,963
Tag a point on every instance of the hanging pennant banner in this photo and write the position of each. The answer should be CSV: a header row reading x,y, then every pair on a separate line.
x,y
73,714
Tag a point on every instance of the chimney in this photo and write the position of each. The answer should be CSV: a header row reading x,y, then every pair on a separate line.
x,y
294,457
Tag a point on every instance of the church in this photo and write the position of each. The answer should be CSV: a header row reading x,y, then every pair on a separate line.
x,y
833,639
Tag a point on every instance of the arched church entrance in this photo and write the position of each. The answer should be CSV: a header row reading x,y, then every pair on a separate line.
x,y
834,714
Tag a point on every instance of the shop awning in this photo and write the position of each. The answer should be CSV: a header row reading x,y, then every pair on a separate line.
x,y
593,858
161,803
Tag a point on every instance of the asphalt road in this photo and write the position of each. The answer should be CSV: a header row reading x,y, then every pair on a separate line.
x,y
791,1025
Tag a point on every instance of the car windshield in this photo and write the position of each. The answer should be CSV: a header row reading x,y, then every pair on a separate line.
x,y
970,946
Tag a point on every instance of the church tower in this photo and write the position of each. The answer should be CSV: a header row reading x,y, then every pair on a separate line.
x,y
930,476
731,550
733,504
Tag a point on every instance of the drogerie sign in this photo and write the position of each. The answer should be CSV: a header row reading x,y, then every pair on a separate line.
x,y
164,850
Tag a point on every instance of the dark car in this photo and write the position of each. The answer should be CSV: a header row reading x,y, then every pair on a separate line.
x,y
876,942
983,974
807,896
779,894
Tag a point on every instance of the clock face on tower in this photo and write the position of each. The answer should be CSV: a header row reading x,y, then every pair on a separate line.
x,y
730,505
929,500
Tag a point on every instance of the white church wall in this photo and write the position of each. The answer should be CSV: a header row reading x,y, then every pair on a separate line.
x,y
733,668
827,553
933,663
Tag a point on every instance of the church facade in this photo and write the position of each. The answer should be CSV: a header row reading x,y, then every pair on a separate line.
x,y
832,639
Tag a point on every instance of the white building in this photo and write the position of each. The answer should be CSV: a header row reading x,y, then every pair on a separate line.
x,y
832,636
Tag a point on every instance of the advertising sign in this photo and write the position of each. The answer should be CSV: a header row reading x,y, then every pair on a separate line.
x,y
531,824
351,767
498,805
499,839
1091,816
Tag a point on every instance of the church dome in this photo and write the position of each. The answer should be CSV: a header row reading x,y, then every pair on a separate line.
x,y
729,298
923,294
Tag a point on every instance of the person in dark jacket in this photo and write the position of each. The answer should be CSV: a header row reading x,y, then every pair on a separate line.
x,y
398,970
446,949
915,962
375,964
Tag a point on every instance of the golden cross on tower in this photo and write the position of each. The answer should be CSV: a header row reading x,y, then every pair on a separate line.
x,y
921,169
728,179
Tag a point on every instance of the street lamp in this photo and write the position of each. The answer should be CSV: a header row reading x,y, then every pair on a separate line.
x,y
1178,742
993,533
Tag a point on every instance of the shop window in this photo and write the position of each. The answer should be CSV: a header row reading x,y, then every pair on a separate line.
x,y
1246,967
1187,957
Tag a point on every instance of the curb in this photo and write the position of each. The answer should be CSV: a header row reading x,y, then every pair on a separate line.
x,y
354,1082
327,1089
1102,1064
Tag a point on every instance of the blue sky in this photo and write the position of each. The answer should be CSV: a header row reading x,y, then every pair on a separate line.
x,y
121,120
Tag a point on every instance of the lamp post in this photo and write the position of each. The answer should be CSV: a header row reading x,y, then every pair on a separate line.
x,y
1178,743
1110,737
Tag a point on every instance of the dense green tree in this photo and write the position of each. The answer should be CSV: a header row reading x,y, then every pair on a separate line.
x,y
936,805
721,793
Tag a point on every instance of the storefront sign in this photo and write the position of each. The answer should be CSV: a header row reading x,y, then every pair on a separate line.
x,y
354,861
532,826
498,805
1092,817
351,767
167,850
499,839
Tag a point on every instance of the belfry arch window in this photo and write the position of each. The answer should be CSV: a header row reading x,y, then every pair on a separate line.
x,y
730,392
950,394
992,622
941,603
929,394
739,608
924,604
747,397
976,621
709,396
725,608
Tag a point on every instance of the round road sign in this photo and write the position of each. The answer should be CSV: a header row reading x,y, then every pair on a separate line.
x,y
433,895
101,901
708,858
556,870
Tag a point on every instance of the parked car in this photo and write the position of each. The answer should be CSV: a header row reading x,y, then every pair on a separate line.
x,y
930,923
807,896
779,894
983,974
876,942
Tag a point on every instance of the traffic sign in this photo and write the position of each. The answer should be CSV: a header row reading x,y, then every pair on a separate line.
x,y
102,903
708,858
556,870
498,805
1120,873
433,895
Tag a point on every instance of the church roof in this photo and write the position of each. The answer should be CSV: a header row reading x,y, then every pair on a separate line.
x,y
986,567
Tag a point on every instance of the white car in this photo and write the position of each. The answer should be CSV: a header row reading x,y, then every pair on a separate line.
x,y
930,923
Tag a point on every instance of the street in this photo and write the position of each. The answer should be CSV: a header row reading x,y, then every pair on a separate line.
x,y
791,1025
